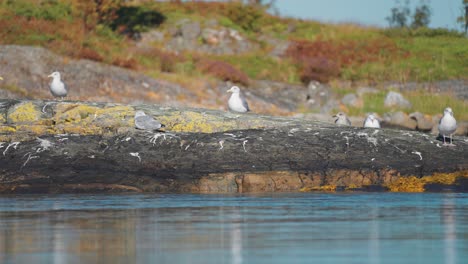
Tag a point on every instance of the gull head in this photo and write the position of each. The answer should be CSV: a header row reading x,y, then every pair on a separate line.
x,y
340,115
234,89
371,117
448,111
55,75
139,113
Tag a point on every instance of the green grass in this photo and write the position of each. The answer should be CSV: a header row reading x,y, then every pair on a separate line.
x,y
426,55
435,104
423,102
261,66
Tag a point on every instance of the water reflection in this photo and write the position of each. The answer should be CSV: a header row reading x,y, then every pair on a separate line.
x,y
448,218
296,228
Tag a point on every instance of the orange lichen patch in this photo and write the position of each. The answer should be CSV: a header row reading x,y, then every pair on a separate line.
x,y
415,184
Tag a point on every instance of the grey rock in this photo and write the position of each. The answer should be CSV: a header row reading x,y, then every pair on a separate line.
x,y
423,123
211,23
147,38
458,88
352,100
399,119
190,31
366,90
27,68
396,99
318,96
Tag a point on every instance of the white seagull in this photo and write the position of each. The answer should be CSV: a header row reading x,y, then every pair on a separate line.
x,y
342,119
57,87
237,102
371,121
142,121
447,125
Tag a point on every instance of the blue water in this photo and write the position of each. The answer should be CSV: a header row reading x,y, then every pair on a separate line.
x,y
274,228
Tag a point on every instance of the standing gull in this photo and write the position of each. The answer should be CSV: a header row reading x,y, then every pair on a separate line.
x,y
447,125
142,121
237,102
371,121
342,119
57,87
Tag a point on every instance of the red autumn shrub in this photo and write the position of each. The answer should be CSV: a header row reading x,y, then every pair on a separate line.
x,y
167,60
319,69
223,71
129,63
89,54
324,59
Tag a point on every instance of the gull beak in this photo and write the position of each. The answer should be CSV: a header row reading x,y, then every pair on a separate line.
x,y
50,76
1,78
229,91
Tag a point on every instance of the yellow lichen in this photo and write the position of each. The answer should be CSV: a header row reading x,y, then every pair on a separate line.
x,y
323,188
35,129
25,112
82,130
7,129
190,121
84,119
73,112
352,187
406,184
2,118
414,184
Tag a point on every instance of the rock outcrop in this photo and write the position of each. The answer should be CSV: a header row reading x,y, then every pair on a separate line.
x,y
51,146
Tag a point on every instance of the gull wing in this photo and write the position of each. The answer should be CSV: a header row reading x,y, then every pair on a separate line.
x,y
147,122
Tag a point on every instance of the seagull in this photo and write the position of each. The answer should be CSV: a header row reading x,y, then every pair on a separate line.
x,y
447,125
371,121
57,87
237,102
142,121
342,119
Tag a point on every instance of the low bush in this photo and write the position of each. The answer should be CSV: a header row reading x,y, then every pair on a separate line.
x,y
132,20
48,10
167,60
422,32
223,71
326,59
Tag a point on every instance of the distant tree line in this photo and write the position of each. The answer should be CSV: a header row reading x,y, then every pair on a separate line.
x,y
463,18
401,15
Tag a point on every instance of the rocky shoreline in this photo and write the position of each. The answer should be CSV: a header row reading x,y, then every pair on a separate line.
x,y
51,146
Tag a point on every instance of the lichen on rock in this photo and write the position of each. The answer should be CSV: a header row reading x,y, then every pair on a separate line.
x,y
25,112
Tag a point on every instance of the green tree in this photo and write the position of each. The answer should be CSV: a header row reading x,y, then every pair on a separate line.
x,y
421,16
463,18
399,15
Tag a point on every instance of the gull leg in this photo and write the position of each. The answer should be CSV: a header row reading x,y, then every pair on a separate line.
x,y
451,140
443,136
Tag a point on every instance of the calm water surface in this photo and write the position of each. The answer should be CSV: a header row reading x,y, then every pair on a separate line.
x,y
275,228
